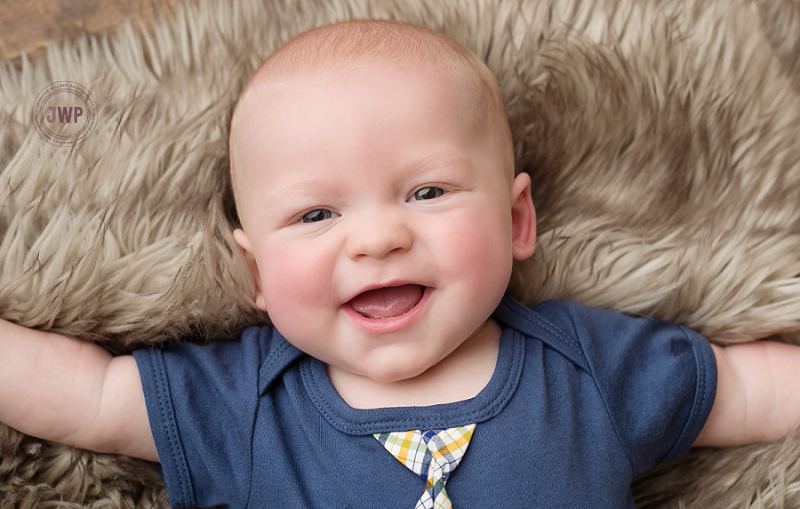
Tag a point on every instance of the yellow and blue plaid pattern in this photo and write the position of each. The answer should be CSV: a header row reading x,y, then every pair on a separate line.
x,y
432,455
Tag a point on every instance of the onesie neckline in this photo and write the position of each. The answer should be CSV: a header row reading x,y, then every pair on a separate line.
x,y
489,402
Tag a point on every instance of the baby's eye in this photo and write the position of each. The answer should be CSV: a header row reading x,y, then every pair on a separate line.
x,y
427,193
316,215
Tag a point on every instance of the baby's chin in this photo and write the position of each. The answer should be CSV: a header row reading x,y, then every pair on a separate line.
x,y
395,369
394,373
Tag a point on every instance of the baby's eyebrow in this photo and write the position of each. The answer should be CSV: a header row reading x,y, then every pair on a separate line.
x,y
298,188
451,161
444,157
304,188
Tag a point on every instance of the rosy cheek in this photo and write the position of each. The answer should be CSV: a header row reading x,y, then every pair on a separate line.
x,y
297,277
478,241
478,238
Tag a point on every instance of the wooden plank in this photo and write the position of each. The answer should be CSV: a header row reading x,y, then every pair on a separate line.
x,y
26,25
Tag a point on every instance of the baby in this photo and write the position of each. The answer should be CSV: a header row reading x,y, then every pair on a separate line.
x,y
372,166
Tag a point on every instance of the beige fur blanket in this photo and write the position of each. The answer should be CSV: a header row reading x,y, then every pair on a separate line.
x,y
662,138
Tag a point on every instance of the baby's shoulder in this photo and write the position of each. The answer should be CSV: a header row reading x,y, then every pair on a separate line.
x,y
590,336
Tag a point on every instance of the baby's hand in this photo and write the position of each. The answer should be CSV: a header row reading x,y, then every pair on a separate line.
x,y
757,397
72,392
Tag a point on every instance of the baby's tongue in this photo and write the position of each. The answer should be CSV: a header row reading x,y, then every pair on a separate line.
x,y
387,302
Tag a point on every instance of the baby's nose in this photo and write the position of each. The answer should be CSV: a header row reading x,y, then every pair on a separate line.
x,y
378,235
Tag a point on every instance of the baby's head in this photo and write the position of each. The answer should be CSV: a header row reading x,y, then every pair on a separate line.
x,y
336,49
372,166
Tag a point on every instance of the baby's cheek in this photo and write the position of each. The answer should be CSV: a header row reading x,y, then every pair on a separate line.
x,y
477,240
480,258
294,283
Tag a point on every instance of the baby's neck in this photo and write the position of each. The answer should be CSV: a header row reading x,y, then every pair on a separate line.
x,y
458,377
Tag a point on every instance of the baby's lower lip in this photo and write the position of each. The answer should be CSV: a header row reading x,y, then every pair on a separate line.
x,y
383,325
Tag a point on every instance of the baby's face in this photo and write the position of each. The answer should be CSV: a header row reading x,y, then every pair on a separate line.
x,y
378,223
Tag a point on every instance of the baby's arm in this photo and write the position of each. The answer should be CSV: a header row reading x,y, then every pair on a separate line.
x,y
72,392
758,394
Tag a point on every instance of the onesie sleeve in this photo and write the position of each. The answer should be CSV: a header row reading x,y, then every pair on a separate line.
x,y
202,402
657,380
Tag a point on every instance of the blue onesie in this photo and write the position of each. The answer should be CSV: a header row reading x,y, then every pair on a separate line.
x,y
581,400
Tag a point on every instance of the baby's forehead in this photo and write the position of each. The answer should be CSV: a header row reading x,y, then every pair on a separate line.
x,y
272,102
354,73
270,87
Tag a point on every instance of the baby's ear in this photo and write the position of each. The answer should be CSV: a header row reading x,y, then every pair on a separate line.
x,y
247,249
523,218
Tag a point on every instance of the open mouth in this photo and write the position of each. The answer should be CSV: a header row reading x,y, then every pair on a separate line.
x,y
387,302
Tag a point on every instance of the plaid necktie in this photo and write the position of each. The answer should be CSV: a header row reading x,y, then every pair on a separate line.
x,y
432,455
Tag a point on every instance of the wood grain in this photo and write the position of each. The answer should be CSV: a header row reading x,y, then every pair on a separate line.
x,y
26,25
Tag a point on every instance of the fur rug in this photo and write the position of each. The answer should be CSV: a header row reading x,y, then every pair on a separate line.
x,y
662,138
